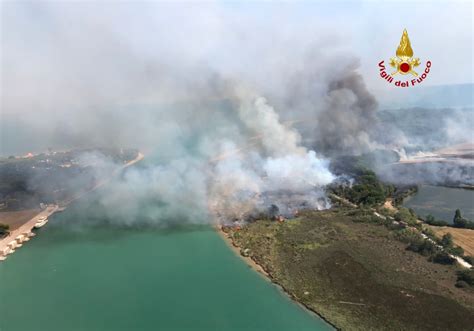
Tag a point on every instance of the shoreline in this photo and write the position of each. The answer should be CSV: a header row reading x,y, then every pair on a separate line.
x,y
236,249
27,228
267,277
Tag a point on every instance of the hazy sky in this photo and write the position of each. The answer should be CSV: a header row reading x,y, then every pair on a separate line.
x,y
67,55
440,31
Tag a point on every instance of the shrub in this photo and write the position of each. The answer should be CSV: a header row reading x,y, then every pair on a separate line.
x,y
432,221
424,247
461,284
393,226
367,219
466,276
456,250
367,191
407,216
447,240
439,223
4,229
430,234
408,236
460,222
442,258
429,218
385,211
469,259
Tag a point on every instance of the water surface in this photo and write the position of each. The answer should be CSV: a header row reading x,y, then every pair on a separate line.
x,y
442,202
110,278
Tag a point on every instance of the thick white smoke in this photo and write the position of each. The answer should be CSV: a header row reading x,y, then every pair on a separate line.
x,y
194,88
256,165
251,180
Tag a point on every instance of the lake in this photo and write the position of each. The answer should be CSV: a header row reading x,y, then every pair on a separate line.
x,y
105,277
441,202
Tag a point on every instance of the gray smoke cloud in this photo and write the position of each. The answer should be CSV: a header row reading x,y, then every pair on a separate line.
x,y
225,170
237,114
434,146
174,81
76,74
456,173
349,118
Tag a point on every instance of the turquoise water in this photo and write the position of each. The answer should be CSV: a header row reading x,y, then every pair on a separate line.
x,y
109,278
442,202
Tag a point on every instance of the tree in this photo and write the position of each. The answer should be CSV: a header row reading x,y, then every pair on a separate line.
x,y
457,215
442,258
424,247
368,190
430,219
447,240
406,216
456,250
458,221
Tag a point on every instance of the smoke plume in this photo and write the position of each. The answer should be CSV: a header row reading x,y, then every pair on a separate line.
x,y
236,114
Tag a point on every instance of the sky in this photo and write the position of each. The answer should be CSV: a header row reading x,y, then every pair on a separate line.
x,y
61,61
440,31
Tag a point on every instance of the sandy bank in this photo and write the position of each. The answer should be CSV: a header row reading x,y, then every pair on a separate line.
x,y
251,263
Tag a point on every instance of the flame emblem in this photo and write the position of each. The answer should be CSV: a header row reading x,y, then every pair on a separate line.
x,y
404,62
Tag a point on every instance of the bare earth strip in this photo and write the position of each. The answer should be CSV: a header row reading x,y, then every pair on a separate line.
x,y
461,237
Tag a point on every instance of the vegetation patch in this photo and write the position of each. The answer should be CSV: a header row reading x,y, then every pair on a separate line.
x,y
357,273
4,230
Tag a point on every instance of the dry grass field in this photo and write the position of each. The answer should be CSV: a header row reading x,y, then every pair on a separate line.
x,y
461,237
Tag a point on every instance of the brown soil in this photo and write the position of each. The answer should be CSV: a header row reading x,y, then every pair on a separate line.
x,y
15,219
389,205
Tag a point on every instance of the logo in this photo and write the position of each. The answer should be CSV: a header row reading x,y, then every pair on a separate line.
x,y
404,64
